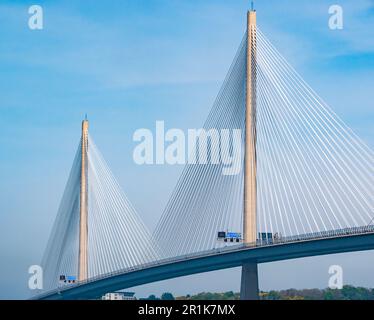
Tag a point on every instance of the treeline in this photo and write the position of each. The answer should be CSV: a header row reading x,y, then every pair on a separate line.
x,y
346,293
164,296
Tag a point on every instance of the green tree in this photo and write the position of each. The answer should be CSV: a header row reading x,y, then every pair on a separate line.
x,y
274,295
229,295
167,296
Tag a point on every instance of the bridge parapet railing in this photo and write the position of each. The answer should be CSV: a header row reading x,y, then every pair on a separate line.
x,y
321,234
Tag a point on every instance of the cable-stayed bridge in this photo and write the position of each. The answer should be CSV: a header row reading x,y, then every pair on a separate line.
x,y
304,188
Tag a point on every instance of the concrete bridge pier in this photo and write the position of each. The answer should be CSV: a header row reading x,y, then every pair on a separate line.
x,y
249,283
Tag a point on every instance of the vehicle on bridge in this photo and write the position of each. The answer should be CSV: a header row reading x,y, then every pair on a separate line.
x,y
66,280
229,236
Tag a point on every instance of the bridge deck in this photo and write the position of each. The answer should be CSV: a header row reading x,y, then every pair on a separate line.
x,y
339,241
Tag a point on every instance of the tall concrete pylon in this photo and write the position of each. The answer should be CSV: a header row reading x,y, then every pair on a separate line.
x,y
249,281
83,226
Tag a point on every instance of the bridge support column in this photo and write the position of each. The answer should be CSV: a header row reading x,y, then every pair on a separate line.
x,y
83,219
249,283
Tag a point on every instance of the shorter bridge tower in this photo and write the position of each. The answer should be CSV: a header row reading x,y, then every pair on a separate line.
x,y
83,216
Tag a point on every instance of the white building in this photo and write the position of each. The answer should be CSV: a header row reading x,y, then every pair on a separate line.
x,y
119,296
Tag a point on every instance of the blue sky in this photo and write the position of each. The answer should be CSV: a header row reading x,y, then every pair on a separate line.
x,y
129,63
